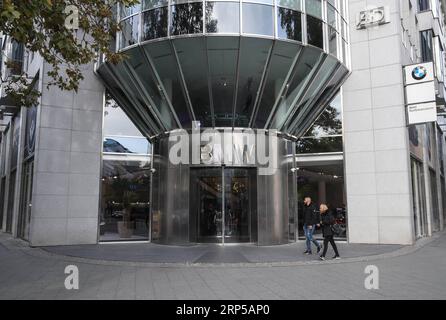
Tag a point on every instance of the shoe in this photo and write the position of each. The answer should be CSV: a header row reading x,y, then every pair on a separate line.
x,y
319,249
306,252
337,257
322,258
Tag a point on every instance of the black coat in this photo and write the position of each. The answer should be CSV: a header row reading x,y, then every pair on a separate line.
x,y
327,221
311,214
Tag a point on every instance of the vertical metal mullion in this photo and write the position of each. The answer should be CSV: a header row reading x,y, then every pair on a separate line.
x,y
262,85
211,99
169,17
223,222
151,192
161,86
236,84
282,91
183,82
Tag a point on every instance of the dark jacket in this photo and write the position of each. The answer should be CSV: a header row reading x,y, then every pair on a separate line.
x,y
327,221
311,214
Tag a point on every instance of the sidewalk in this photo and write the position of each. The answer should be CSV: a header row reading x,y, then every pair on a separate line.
x,y
413,272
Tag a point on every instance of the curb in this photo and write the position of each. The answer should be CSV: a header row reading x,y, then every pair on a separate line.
x,y
13,244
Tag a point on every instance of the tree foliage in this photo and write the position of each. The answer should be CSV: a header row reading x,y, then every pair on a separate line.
x,y
46,27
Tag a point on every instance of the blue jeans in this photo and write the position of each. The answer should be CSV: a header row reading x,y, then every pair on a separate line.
x,y
309,236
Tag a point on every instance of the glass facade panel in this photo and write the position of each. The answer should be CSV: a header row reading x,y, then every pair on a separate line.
x,y
281,62
222,17
314,7
193,60
155,24
222,55
292,4
253,56
164,59
258,19
314,32
129,31
187,18
301,75
320,145
125,203
150,4
128,11
119,144
289,24
331,16
332,41
324,183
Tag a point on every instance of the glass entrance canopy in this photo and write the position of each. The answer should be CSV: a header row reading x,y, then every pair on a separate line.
x,y
269,64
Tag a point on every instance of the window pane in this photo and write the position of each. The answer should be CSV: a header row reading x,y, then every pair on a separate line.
x,y
149,4
116,121
222,17
314,7
125,200
187,18
332,41
155,24
127,11
192,54
130,31
331,16
319,145
223,53
116,144
292,4
253,56
258,19
289,24
314,32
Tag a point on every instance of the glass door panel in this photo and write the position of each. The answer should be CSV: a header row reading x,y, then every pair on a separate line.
x,y
240,204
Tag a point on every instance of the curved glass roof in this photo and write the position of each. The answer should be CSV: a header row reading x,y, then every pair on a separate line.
x,y
228,64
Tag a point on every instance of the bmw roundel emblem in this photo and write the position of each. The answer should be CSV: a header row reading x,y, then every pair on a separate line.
x,y
419,73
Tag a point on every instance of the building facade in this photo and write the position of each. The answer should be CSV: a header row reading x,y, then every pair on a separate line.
x,y
223,117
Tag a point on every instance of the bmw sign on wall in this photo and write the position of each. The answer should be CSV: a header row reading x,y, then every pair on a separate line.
x,y
420,93
419,73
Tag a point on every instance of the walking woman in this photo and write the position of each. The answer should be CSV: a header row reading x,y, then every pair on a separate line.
x,y
327,222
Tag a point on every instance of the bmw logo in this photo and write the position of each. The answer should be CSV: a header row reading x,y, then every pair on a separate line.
x,y
419,73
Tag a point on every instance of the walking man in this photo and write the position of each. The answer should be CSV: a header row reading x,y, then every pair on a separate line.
x,y
311,220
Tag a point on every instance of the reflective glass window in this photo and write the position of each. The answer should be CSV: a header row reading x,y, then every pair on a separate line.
x,y
314,7
222,55
117,144
258,19
281,62
128,11
332,41
155,24
222,17
150,4
187,18
331,16
270,2
289,24
116,121
301,75
292,4
164,59
129,31
192,57
125,207
314,32
253,56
